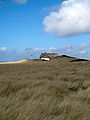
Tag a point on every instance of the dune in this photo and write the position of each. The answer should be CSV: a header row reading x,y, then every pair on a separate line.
x,y
14,62
58,89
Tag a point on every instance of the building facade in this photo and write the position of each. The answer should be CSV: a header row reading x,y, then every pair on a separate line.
x,y
48,56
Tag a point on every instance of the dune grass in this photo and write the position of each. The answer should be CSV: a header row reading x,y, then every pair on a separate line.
x,y
45,90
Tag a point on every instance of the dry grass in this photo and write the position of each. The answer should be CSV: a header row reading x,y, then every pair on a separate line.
x,y
40,90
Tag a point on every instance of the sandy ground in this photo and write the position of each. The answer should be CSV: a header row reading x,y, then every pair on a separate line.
x,y
21,61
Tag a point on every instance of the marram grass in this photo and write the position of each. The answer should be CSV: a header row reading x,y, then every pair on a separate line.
x,y
45,90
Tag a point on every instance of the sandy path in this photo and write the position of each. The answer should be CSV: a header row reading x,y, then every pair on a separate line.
x,y
21,61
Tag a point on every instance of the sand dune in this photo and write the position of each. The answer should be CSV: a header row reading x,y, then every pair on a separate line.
x,y
21,61
37,90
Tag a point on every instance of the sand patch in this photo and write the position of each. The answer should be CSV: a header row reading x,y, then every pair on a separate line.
x,y
21,61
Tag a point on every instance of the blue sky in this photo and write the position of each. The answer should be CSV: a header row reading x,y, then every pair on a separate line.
x,y
21,25
24,24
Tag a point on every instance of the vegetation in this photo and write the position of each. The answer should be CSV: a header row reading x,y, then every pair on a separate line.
x,y
45,90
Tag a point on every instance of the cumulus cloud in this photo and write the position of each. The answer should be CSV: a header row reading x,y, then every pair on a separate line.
x,y
20,1
72,18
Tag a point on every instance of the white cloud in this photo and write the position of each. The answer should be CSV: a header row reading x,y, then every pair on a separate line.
x,y
3,49
73,18
85,45
20,1
80,51
46,10
3,2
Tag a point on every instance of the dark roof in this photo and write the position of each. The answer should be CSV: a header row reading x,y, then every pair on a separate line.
x,y
48,55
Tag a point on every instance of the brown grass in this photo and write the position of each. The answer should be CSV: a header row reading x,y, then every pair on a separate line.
x,y
45,90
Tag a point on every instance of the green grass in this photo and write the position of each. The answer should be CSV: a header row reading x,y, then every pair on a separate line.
x,y
45,90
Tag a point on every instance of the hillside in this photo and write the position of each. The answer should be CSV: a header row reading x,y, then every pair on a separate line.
x,y
45,90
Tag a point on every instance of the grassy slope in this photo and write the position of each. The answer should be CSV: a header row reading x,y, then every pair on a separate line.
x,y
40,90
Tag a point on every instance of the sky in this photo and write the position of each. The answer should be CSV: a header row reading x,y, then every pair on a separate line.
x,y
35,26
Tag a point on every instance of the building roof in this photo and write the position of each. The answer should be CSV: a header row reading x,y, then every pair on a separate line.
x,y
48,55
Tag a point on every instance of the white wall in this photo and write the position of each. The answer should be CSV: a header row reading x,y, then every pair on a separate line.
x,y
45,59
